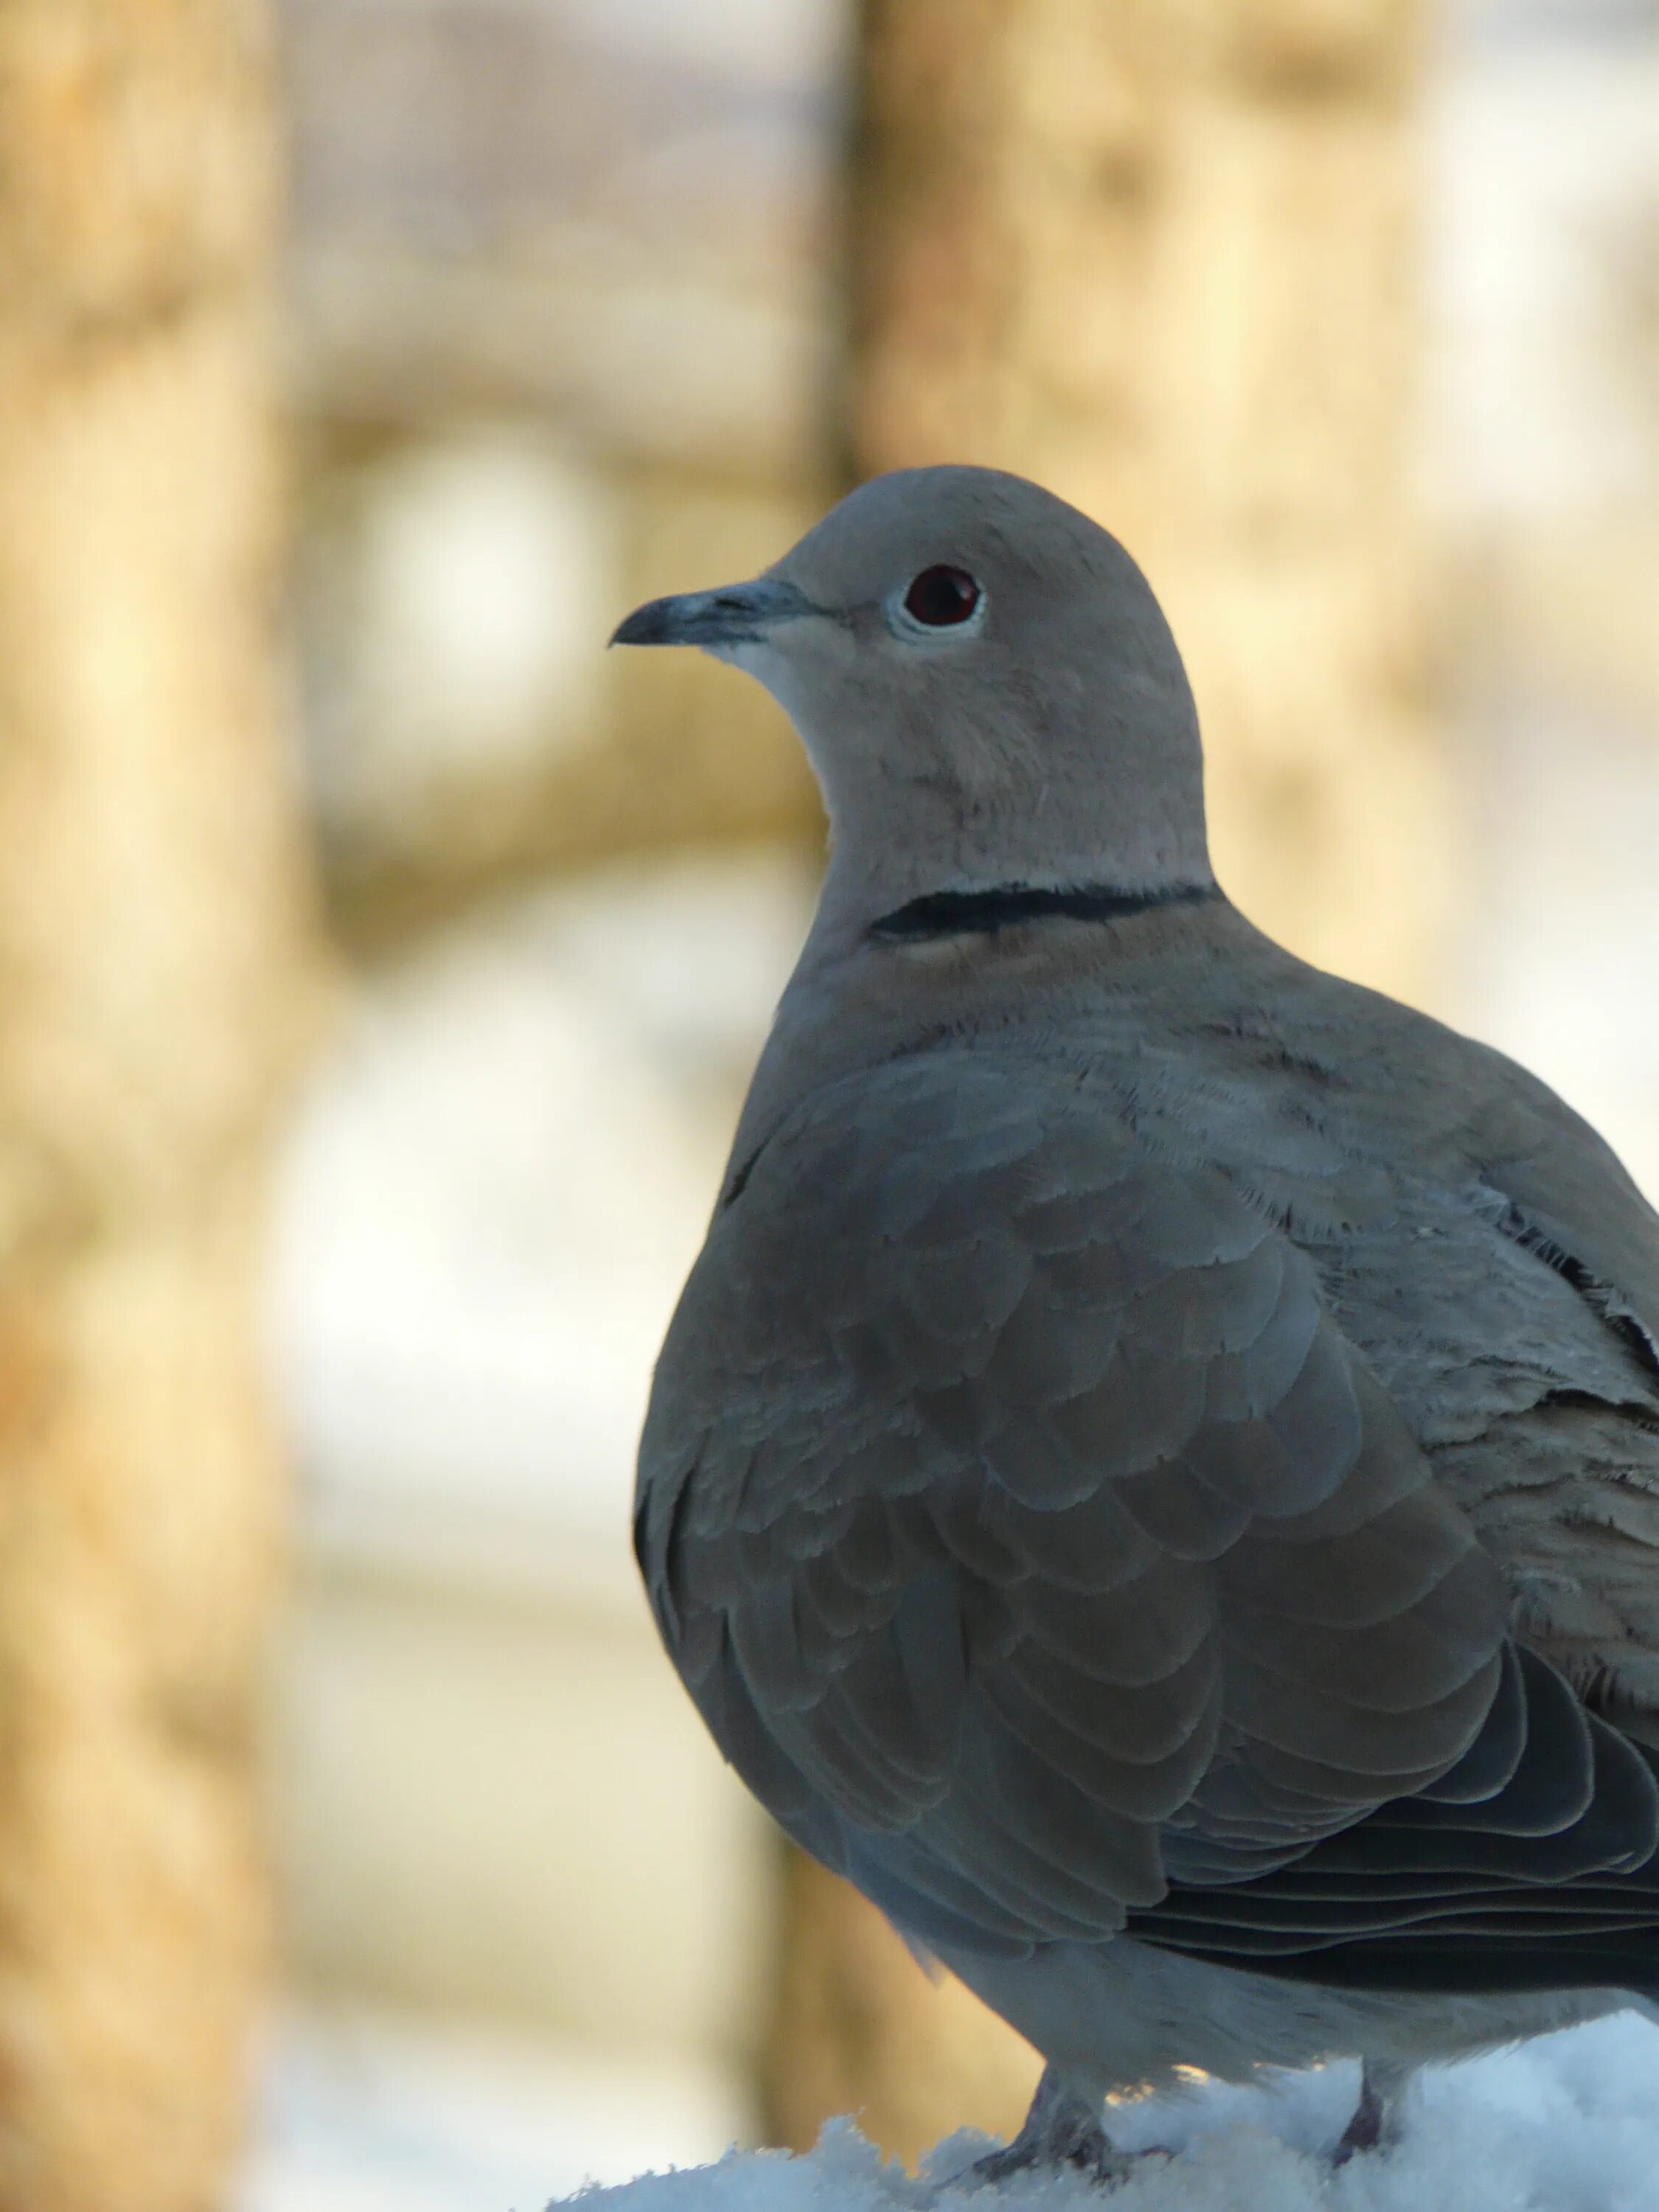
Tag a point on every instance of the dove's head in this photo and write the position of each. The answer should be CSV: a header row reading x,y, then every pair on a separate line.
x,y
987,687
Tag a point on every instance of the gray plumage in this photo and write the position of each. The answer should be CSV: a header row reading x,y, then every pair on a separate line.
x,y
1155,1474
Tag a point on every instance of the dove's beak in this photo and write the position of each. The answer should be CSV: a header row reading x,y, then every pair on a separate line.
x,y
736,614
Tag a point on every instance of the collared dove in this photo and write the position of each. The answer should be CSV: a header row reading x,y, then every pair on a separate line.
x,y
1155,1473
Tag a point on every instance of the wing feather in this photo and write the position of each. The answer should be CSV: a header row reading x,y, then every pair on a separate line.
x,y
1025,1527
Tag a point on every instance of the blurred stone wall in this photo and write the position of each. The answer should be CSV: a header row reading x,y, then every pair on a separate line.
x,y
564,341
562,334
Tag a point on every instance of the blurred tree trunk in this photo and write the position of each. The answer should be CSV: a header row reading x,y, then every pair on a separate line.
x,y
152,959
1159,254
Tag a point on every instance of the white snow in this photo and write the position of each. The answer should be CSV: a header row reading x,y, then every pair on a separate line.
x,y
1567,2123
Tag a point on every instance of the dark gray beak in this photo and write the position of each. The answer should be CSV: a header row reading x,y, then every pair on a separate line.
x,y
736,614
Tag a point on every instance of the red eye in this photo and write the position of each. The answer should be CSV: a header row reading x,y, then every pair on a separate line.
x,y
941,596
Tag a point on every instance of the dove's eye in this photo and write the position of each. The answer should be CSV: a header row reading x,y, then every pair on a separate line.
x,y
941,597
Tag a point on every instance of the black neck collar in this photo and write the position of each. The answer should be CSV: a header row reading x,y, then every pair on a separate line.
x,y
959,913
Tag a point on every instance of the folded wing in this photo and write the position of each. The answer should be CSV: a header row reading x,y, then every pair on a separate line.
x,y
1027,1530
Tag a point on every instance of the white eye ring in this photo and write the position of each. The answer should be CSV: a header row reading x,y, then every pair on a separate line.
x,y
941,602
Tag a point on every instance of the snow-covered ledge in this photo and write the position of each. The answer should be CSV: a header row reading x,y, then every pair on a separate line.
x,y
1567,2123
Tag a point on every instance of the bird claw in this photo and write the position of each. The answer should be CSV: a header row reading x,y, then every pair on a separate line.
x,y
1059,2129
1094,2159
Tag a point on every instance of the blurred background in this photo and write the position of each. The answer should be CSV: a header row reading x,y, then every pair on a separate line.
x,y
380,965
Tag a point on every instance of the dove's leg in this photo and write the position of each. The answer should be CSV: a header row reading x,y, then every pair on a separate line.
x,y
1061,2129
1376,2122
